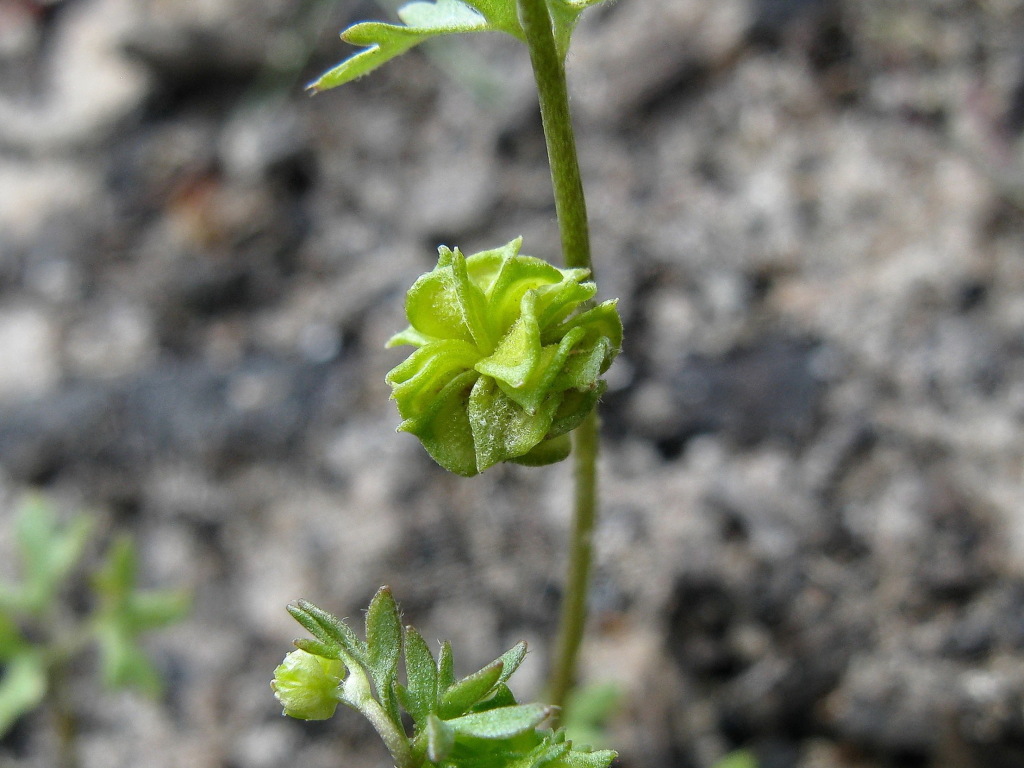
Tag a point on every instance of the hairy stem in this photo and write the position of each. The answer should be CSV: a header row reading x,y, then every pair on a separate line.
x,y
571,209
392,736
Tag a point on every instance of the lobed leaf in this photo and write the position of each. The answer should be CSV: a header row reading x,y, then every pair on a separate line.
x,y
422,21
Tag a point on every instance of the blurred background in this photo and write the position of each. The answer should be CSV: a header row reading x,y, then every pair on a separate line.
x,y
812,542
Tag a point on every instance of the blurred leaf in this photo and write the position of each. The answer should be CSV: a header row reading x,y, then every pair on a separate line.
x,y
11,641
22,688
122,662
588,711
124,614
48,551
742,758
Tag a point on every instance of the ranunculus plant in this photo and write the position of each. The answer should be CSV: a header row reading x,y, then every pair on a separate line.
x,y
510,351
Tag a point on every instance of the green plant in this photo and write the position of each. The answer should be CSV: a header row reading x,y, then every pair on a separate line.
x,y
469,721
41,634
510,350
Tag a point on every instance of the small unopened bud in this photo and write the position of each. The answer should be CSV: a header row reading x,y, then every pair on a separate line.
x,y
307,685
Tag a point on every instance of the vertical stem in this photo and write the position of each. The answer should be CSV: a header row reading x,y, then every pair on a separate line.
x,y
574,602
549,73
571,209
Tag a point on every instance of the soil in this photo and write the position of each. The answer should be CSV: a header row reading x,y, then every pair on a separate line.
x,y
812,533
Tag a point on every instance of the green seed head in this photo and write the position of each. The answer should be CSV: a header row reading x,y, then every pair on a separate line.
x,y
307,685
508,359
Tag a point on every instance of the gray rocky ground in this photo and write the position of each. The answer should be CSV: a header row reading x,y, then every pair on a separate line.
x,y
812,540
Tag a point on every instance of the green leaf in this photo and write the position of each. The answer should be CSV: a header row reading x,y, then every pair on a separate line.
x,y
22,688
122,662
422,21
383,647
125,614
461,696
500,723
316,648
575,758
12,642
421,674
445,667
510,660
48,551
501,696
740,759
588,710
440,738
328,629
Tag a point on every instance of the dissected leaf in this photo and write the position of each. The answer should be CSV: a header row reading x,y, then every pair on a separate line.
x,y
421,21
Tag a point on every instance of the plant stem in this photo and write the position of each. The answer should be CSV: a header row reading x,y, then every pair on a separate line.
x,y
577,580
549,73
571,210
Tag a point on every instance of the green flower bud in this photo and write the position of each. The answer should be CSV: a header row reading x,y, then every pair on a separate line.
x,y
507,363
307,685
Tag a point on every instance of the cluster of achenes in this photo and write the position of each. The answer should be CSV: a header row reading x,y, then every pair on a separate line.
x,y
509,360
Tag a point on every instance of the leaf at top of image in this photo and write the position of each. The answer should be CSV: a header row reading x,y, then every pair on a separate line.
x,y
421,21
